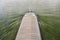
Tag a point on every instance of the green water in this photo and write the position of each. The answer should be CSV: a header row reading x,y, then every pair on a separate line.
x,y
9,26
50,27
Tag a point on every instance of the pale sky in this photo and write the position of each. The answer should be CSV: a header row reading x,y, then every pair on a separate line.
x,y
9,5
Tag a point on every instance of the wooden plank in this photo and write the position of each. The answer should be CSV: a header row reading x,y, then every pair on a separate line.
x,y
29,29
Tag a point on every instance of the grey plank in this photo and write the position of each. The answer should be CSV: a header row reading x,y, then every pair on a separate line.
x,y
29,29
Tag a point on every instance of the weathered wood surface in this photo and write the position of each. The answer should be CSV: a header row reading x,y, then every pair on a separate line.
x,y
29,29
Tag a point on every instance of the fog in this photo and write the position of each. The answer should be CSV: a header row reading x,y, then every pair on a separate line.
x,y
20,6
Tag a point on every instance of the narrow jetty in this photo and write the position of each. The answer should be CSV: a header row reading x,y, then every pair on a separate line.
x,y
29,28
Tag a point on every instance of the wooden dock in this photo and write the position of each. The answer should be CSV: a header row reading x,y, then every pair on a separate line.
x,y
29,29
